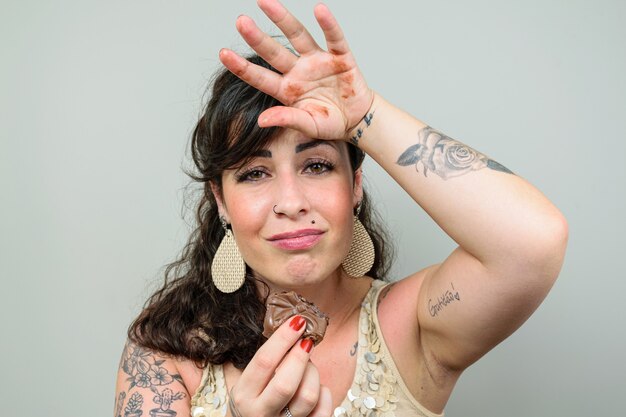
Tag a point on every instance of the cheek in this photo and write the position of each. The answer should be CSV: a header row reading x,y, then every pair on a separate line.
x,y
336,203
246,212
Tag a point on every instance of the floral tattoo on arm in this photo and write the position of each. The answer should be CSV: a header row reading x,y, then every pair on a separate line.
x,y
133,408
445,156
119,403
144,369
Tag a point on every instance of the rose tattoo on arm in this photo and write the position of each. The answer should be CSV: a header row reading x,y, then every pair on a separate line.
x,y
445,156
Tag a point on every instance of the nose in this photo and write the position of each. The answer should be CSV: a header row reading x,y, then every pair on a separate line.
x,y
291,199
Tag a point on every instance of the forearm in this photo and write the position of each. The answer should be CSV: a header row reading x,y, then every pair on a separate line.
x,y
490,212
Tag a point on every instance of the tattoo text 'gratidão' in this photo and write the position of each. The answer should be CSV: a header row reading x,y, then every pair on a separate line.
x,y
450,296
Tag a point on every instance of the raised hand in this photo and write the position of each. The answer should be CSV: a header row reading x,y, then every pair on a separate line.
x,y
281,375
323,92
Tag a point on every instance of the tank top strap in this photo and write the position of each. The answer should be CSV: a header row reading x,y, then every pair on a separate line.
x,y
377,389
373,389
405,403
210,399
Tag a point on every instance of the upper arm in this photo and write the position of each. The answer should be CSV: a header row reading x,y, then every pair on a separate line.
x,y
466,308
148,382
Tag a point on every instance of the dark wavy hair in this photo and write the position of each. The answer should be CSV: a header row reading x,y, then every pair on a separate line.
x,y
188,316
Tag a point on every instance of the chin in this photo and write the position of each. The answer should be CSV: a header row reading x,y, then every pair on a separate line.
x,y
301,269
298,272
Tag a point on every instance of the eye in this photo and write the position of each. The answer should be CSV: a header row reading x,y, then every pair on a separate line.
x,y
251,175
319,167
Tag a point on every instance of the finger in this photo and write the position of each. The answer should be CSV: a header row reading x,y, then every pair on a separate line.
x,y
283,386
262,367
289,117
258,77
324,406
335,40
308,393
267,47
295,31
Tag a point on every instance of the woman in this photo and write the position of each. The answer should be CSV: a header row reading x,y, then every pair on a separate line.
x,y
279,152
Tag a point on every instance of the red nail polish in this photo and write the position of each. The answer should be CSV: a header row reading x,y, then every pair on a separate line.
x,y
306,344
297,323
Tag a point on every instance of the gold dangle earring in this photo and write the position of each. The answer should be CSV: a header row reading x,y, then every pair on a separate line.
x,y
228,269
360,258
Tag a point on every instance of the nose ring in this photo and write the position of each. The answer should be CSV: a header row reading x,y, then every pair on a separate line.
x,y
274,208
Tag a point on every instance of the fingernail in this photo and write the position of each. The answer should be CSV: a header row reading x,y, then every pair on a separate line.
x,y
306,344
297,323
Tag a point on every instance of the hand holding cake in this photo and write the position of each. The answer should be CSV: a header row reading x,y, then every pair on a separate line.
x,y
282,306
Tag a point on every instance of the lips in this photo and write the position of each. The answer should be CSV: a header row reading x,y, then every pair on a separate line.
x,y
297,239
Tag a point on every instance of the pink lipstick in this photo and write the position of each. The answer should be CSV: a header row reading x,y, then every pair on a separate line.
x,y
297,239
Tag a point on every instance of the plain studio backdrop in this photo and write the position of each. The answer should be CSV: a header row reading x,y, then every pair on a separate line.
x,y
97,103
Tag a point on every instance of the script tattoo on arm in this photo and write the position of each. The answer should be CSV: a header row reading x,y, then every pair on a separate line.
x,y
359,132
445,156
449,296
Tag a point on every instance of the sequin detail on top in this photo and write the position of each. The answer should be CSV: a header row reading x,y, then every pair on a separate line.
x,y
372,393
377,389
211,400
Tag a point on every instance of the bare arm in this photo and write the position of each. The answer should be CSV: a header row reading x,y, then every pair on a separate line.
x,y
511,238
149,382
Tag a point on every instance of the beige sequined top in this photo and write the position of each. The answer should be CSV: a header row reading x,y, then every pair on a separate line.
x,y
377,389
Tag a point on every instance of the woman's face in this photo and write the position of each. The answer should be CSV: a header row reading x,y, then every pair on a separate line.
x,y
313,189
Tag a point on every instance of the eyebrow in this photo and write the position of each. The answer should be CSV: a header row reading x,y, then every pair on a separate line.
x,y
312,144
263,153
301,147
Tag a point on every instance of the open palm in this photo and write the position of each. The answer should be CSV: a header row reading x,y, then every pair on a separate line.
x,y
323,92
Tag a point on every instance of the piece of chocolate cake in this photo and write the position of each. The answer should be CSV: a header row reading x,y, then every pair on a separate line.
x,y
282,306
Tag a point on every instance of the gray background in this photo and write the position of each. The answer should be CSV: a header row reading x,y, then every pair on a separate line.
x,y
97,102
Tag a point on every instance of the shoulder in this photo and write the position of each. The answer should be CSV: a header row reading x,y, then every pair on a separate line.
x,y
401,296
397,307
148,380
397,310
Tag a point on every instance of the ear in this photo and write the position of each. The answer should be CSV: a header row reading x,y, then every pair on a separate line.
x,y
221,207
357,189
